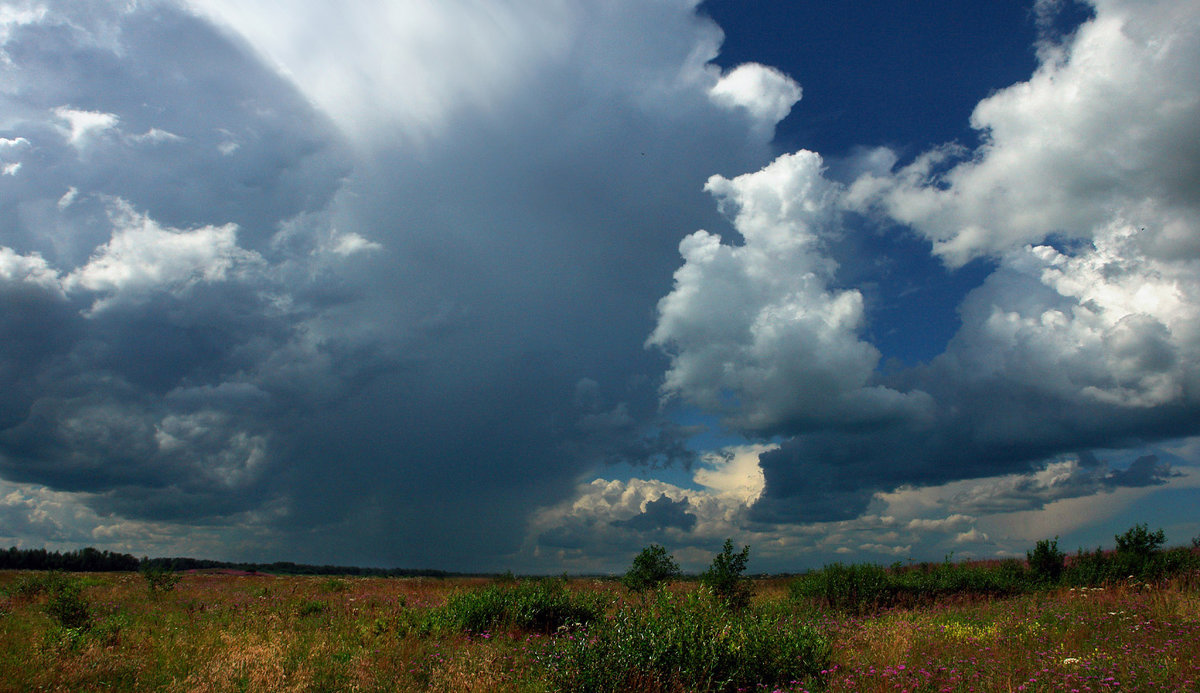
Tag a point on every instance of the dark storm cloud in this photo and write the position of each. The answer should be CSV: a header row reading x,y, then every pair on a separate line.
x,y
365,352
1146,470
201,131
994,427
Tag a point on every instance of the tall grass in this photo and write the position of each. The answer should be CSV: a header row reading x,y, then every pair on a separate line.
x,y
689,642
543,606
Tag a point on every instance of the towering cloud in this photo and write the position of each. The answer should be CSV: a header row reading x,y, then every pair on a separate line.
x,y
756,331
331,280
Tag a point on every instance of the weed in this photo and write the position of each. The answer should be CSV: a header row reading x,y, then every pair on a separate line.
x,y
32,584
225,633
310,607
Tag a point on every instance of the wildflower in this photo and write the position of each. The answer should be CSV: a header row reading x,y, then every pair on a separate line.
x,y
1070,660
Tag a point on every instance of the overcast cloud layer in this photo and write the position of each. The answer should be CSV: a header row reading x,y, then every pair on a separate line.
x,y
398,284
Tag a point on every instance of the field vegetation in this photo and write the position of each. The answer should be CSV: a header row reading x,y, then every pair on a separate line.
x,y
1123,619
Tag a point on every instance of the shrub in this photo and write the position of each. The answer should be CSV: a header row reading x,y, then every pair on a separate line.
x,y
650,568
537,605
1177,562
1139,541
333,585
858,587
67,606
688,643
1046,562
1137,557
159,578
724,577
1099,567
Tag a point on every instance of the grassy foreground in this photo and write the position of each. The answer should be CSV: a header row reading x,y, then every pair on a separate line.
x,y
121,631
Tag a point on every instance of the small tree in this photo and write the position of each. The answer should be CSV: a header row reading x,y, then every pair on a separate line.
x,y
1139,541
650,568
159,579
724,577
67,605
1046,562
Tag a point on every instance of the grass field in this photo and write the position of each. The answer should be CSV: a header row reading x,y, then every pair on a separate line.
x,y
111,631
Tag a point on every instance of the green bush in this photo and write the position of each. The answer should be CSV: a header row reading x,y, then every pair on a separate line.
x,y
536,605
1089,569
690,643
1137,557
333,585
858,587
1046,562
159,578
724,577
67,605
1139,541
650,568
861,588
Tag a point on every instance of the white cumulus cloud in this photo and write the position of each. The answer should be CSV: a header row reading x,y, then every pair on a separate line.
x,y
142,257
764,92
757,331
1108,127
80,127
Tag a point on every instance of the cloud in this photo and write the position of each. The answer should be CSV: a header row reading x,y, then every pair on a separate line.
x,y
375,285
605,522
765,93
142,258
84,126
9,150
1104,130
661,514
756,331
1084,336
419,66
340,291
1071,477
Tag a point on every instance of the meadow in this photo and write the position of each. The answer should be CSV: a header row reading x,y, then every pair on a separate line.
x,y
994,626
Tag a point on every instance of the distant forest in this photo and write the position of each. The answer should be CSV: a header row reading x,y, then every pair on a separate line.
x,y
90,560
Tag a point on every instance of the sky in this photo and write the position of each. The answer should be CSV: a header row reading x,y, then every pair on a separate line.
x,y
531,284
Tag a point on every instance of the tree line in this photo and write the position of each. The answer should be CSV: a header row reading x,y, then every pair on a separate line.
x,y
88,560
91,560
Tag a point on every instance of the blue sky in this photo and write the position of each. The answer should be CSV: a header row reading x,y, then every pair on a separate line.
x,y
530,285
